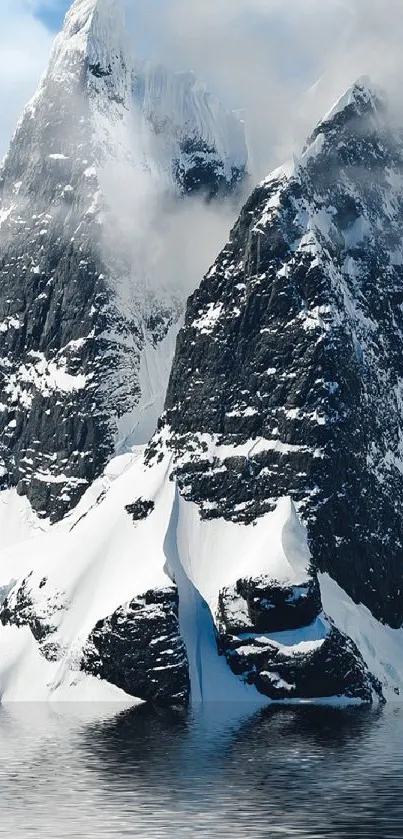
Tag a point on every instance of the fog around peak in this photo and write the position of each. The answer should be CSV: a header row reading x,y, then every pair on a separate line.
x,y
280,63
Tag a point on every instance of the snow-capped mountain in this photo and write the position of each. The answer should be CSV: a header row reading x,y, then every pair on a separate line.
x,y
252,550
102,155
300,320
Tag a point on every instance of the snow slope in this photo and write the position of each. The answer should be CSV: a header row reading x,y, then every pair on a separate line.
x,y
84,568
380,645
26,676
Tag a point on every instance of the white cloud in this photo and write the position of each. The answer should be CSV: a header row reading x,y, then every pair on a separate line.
x,y
262,55
24,50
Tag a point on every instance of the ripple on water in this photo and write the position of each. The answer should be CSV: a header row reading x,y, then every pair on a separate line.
x,y
86,771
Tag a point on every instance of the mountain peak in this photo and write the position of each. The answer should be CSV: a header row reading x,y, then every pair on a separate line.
x,y
79,15
104,145
90,26
362,96
81,12
363,102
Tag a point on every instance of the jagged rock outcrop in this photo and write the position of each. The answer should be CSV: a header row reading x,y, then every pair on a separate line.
x,y
265,605
77,307
140,509
288,373
140,649
21,608
322,668
278,639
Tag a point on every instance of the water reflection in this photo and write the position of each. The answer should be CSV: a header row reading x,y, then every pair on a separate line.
x,y
108,772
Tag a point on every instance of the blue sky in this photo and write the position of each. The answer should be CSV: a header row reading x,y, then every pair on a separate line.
x,y
51,13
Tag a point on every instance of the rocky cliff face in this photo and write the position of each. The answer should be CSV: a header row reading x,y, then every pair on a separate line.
x,y
78,308
193,565
288,373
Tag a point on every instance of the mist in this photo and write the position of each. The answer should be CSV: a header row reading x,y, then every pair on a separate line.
x,y
167,241
280,63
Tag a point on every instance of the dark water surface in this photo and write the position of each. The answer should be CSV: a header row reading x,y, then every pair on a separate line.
x,y
292,772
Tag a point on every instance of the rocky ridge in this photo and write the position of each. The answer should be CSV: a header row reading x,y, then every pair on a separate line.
x,y
288,375
78,308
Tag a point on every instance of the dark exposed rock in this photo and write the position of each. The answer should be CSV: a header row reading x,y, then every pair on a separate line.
x,y
334,668
99,71
139,649
4,592
278,640
70,346
20,609
140,509
265,605
58,365
292,349
200,170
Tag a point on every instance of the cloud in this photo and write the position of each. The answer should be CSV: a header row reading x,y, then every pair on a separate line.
x,y
259,55
264,55
164,244
185,236
49,12
24,48
281,63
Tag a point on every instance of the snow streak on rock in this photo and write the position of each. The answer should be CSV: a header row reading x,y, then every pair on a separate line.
x,y
278,455
288,375
94,155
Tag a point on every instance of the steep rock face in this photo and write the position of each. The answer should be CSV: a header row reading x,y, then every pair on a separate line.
x,y
193,138
266,605
288,373
77,311
140,649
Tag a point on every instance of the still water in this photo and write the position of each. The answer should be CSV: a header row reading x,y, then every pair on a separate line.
x,y
289,772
